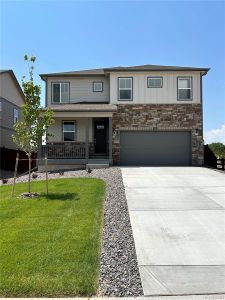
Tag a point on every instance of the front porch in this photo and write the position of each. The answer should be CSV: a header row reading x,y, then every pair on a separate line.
x,y
78,139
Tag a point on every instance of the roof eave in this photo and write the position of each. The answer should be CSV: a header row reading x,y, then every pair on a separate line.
x,y
205,71
44,76
128,69
159,70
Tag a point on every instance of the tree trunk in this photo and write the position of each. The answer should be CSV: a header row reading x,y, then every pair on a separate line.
x,y
29,157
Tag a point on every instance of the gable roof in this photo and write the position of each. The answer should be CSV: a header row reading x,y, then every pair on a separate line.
x,y
13,76
103,71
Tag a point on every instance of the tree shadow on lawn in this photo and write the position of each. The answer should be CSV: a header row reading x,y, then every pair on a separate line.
x,y
62,197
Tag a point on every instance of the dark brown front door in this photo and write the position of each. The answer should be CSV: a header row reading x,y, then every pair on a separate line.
x,y
100,136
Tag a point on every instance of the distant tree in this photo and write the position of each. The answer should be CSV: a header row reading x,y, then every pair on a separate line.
x,y
218,149
35,122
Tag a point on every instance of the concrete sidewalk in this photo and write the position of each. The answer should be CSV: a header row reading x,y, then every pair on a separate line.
x,y
178,221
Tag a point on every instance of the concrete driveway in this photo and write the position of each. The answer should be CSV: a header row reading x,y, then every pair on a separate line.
x,y
178,220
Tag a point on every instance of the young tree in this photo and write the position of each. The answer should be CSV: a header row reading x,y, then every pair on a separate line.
x,y
35,122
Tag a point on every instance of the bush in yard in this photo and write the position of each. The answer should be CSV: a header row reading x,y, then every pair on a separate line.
x,y
218,149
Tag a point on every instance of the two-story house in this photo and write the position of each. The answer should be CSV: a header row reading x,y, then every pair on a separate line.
x,y
141,115
11,100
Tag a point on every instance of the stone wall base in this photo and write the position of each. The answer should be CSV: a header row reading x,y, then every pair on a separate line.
x,y
161,117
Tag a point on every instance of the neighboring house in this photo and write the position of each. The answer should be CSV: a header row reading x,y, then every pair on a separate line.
x,y
141,115
11,100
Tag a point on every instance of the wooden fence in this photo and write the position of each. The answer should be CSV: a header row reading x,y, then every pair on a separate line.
x,y
8,158
212,161
220,163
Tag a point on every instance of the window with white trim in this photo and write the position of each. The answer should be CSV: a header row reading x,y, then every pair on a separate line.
x,y
97,86
125,88
15,115
155,82
69,130
184,88
60,92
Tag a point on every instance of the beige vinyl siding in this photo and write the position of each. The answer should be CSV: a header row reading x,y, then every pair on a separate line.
x,y
144,95
81,89
6,123
7,113
9,90
57,130
6,139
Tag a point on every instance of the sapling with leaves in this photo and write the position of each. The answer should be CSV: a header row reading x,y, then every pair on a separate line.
x,y
35,121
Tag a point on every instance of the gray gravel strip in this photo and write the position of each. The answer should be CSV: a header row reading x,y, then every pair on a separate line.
x,y
119,274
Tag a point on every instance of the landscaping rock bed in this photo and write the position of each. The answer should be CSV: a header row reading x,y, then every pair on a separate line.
x,y
119,274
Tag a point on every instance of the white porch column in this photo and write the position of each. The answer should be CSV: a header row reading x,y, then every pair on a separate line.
x,y
87,138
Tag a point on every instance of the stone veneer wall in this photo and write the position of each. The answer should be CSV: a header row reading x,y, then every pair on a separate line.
x,y
159,117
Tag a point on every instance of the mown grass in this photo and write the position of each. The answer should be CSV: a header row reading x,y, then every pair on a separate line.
x,y
50,246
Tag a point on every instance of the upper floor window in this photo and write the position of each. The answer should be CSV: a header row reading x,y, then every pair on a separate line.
x,y
68,131
154,82
15,115
60,92
125,88
97,86
184,86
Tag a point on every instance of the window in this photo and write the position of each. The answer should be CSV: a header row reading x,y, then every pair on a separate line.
x,y
184,88
154,82
125,88
60,92
15,115
97,86
68,131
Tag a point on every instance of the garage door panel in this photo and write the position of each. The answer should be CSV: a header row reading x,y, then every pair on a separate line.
x,y
155,148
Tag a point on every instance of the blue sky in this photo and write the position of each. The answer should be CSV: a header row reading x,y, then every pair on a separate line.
x,y
70,35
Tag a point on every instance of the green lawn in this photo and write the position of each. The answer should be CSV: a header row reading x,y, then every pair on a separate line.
x,y
50,246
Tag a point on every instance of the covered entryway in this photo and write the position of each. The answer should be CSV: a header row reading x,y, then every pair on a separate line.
x,y
155,148
101,133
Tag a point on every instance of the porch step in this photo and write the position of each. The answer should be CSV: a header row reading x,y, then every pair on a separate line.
x,y
98,164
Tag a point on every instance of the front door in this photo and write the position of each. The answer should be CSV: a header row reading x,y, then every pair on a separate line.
x,y
100,136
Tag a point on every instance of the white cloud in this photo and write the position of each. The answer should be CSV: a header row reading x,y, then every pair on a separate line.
x,y
215,135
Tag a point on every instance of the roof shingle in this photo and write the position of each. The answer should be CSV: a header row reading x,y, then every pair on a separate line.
x,y
102,71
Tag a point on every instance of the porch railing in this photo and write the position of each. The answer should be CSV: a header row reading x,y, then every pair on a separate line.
x,y
63,151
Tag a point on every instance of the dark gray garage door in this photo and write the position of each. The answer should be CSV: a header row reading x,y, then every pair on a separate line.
x,y
150,148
